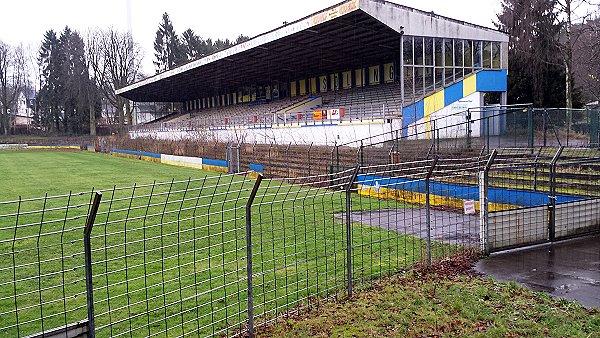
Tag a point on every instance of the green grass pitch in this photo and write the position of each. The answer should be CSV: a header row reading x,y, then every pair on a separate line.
x,y
170,259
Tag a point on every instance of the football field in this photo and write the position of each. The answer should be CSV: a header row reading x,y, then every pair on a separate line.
x,y
169,258
34,173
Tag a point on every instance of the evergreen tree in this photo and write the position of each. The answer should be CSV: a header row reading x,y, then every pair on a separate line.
x,y
64,97
76,83
49,114
192,45
167,47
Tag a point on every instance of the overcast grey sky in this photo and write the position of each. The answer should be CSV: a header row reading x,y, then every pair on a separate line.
x,y
25,21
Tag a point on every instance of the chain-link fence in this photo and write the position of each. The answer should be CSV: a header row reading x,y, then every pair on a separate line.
x,y
222,254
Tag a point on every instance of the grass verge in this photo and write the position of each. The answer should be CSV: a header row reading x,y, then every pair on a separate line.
x,y
442,302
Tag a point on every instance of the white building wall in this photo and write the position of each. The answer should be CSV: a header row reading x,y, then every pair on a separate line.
x,y
380,130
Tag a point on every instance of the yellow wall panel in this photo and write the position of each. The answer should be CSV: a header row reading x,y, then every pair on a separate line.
x,y
302,85
346,80
469,85
374,75
293,89
335,82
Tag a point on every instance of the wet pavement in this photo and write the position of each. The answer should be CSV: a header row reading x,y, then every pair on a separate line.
x,y
569,269
446,226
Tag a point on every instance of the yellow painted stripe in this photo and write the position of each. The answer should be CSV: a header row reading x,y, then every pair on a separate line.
x,y
253,174
137,157
419,198
469,85
214,168
54,147
434,103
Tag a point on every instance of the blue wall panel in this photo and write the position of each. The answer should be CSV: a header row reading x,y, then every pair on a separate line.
x,y
411,114
492,81
216,163
135,153
453,93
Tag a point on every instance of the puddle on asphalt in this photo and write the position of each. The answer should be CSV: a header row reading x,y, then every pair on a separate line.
x,y
566,269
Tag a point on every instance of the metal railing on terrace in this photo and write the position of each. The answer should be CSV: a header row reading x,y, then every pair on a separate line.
x,y
499,127
366,112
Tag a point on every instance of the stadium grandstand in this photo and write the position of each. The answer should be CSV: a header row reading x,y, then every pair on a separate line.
x,y
356,69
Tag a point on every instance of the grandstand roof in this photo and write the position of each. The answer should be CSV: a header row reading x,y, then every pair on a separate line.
x,y
351,34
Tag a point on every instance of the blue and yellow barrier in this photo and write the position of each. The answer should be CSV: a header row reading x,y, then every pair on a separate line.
x,y
181,161
449,194
256,169
482,81
138,155
215,165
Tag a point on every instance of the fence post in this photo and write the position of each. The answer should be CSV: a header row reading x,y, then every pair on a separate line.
x,y
287,159
349,228
239,153
361,156
259,179
469,130
530,135
428,207
594,120
552,206
89,287
483,203
545,127
535,169
308,157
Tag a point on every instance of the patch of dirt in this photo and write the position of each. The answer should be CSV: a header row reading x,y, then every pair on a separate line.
x,y
458,264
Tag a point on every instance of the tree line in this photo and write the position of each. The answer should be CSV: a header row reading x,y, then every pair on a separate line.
x,y
171,50
553,62
77,74
553,51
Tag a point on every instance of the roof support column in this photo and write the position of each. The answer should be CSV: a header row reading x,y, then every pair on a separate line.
x,y
401,63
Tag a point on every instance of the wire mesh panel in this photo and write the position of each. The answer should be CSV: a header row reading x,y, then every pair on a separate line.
x,y
389,229
545,194
455,196
577,186
298,242
42,276
421,208
168,258
519,189
177,258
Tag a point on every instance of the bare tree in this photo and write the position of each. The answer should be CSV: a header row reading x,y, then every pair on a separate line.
x,y
13,78
586,67
115,61
572,13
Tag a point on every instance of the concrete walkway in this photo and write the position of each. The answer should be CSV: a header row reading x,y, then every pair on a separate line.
x,y
446,226
569,269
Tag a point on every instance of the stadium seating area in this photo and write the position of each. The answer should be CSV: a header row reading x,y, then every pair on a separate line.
x,y
385,98
367,102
